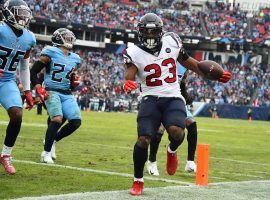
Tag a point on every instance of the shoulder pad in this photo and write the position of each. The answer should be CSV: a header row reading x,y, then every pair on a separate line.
x,y
34,41
175,37
77,58
47,51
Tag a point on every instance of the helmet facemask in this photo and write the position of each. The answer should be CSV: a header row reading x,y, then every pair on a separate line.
x,y
18,16
150,37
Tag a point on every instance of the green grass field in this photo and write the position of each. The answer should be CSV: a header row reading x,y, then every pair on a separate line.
x,y
239,151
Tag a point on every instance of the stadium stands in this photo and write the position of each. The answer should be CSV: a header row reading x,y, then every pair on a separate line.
x,y
102,73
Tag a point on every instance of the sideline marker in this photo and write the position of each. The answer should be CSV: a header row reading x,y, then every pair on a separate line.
x,y
202,164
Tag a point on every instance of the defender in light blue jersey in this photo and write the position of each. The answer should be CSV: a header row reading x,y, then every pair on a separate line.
x,y
16,42
60,64
191,126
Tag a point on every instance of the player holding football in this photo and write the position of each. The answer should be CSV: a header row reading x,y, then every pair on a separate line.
x,y
154,62
191,126
60,64
16,42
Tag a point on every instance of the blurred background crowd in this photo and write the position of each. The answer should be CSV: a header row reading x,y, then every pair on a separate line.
x,y
102,74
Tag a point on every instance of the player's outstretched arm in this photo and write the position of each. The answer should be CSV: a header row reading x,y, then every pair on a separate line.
x,y
206,69
43,62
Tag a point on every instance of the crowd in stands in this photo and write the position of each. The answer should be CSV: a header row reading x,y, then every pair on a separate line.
x,y
102,76
261,27
239,91
116,15
102,73
220,19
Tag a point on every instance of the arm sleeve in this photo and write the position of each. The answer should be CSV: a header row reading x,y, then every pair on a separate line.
x,y
36,68
25,74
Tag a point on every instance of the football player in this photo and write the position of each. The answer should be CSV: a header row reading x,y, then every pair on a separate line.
x,y
191,126
16,42
60,64
154,62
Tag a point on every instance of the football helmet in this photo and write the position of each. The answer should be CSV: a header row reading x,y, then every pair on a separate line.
x,y
150,30
63,37
17,13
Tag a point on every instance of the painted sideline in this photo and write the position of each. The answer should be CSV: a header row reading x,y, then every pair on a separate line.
x,y
226,191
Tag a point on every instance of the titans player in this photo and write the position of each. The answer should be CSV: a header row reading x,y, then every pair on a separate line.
x,y
191,126
16,42
60,64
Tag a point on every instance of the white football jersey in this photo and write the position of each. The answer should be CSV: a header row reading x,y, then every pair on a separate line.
x,y
157,73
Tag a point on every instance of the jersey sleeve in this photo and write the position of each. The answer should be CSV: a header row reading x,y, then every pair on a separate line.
x,y
127,57
47,51
175,39
78,60
33,40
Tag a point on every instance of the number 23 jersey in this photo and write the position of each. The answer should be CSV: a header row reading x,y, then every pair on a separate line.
x,y
157,73
58,73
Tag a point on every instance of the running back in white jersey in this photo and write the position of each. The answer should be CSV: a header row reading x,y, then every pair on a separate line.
x,y
157,73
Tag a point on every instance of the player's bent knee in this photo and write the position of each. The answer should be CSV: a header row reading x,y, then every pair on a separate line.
x,y
15,114
176,132
189,121
75,123
57,119
144,141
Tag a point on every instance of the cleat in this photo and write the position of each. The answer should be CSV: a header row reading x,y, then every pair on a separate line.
x,y
190,166
152,168
53,154
6,161
172,163
137,188
46,157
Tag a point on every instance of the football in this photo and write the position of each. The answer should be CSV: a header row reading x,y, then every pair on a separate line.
x,y
211,69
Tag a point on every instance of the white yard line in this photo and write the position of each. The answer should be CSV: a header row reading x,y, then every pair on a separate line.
x,y
242,175
241,161
102,172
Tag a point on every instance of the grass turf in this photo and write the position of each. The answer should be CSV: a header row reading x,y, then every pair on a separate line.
x,y
239,151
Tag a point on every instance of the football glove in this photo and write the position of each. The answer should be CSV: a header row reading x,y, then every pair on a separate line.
x,y
74,81
29,100
226,76
129,86
42,93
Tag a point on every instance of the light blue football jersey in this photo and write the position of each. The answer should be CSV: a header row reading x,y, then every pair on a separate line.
x,y
13,49
180,71
60,69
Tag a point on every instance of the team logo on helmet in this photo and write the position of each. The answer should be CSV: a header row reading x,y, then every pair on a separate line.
x,y
17,13
63,37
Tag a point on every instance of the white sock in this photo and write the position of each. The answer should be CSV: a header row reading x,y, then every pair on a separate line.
x,y
138,179
170,151
47,153
6,150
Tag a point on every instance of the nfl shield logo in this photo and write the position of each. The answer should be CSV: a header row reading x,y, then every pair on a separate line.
x,y
168,50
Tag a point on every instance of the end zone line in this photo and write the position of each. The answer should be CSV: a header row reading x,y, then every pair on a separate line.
x,y
240,161
103,172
